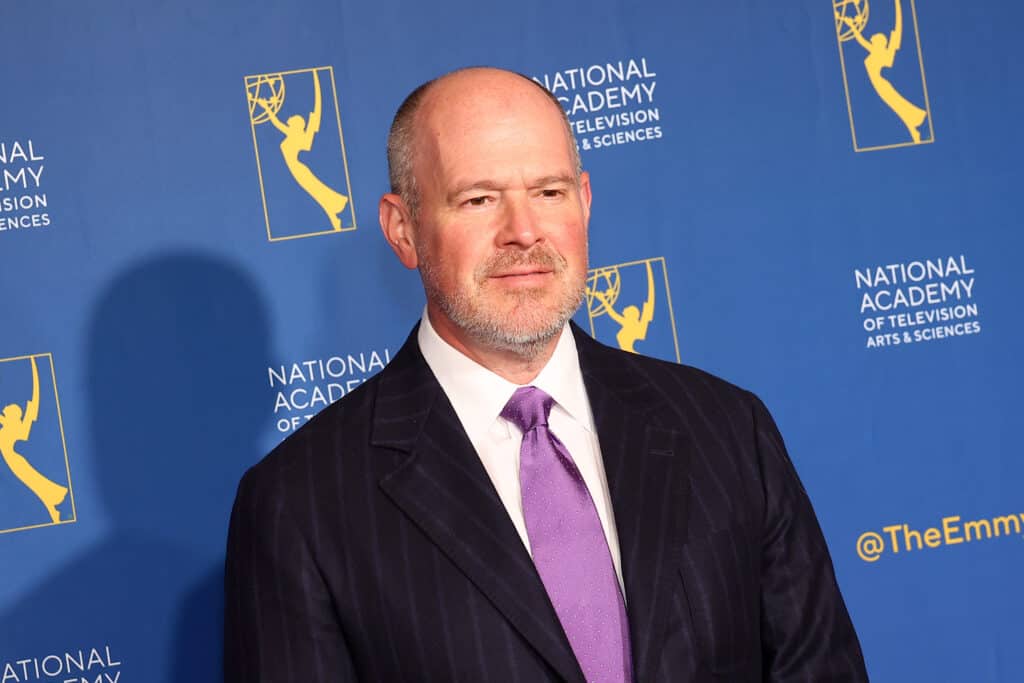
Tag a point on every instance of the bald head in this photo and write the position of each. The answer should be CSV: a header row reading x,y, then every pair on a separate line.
x,y
473,91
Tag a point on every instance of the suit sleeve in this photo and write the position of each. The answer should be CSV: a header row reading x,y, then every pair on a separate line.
x,y
280,625
806,631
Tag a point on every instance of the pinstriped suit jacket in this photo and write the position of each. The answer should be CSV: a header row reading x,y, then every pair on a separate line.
x,y
371,545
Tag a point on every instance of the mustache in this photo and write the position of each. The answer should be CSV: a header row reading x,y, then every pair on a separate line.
x,y
538,255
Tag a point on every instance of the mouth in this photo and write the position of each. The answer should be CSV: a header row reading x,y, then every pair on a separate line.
x,y
537,268
522,274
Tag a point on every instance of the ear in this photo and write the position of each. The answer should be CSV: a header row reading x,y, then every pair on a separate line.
x,y
585,195
397,226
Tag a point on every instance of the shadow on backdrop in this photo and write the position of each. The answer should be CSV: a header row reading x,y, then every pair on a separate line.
x,y
176,400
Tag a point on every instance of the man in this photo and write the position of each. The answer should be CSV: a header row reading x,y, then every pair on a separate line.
x,y
509,500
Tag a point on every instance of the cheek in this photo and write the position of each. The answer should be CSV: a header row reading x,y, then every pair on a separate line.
x,y
457,262
573,248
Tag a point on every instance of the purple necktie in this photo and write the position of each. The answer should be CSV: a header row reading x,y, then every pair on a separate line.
x,y
569,547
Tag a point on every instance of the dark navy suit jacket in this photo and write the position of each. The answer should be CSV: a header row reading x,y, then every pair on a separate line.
x,y
372,546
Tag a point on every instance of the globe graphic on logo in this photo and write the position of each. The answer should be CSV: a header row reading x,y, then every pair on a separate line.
x,y
269,89
856,11
608,283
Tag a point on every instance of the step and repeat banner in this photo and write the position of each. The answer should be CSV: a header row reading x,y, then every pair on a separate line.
x,y
818,200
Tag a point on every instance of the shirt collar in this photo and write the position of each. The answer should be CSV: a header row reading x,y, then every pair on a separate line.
x,y
479,395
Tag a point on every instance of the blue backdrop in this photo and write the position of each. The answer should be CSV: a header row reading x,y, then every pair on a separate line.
x,y
816,200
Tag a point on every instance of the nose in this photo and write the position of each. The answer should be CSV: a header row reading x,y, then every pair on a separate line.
x,y
518,224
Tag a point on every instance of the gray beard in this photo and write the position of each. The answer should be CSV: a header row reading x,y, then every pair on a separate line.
x,y
491,329
496,333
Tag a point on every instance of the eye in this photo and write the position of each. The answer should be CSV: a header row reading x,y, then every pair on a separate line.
x,y
552,193
481,200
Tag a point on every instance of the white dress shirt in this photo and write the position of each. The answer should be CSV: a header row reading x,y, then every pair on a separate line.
x,y
478,397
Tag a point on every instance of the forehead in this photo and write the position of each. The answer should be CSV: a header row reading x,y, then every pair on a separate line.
x,y
491,123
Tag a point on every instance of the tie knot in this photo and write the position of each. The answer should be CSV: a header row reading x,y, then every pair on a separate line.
x,y
528,408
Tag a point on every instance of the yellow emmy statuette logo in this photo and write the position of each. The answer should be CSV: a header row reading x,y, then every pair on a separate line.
x,y
44,472
883,74
302,166
629,305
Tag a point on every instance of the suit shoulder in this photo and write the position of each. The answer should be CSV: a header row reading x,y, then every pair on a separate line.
x,y
313,445
677,383
694,376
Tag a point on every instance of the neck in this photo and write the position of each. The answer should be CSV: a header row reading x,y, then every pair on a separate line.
x,y
517,366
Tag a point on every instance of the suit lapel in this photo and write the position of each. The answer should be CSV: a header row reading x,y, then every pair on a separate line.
x,y
444,489
646,467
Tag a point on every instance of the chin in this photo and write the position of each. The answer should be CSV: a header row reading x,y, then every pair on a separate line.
x,y
532,322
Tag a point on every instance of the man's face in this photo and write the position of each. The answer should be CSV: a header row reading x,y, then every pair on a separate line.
x,y
501,232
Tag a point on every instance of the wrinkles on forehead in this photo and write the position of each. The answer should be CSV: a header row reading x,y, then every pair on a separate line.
x,y
464,113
